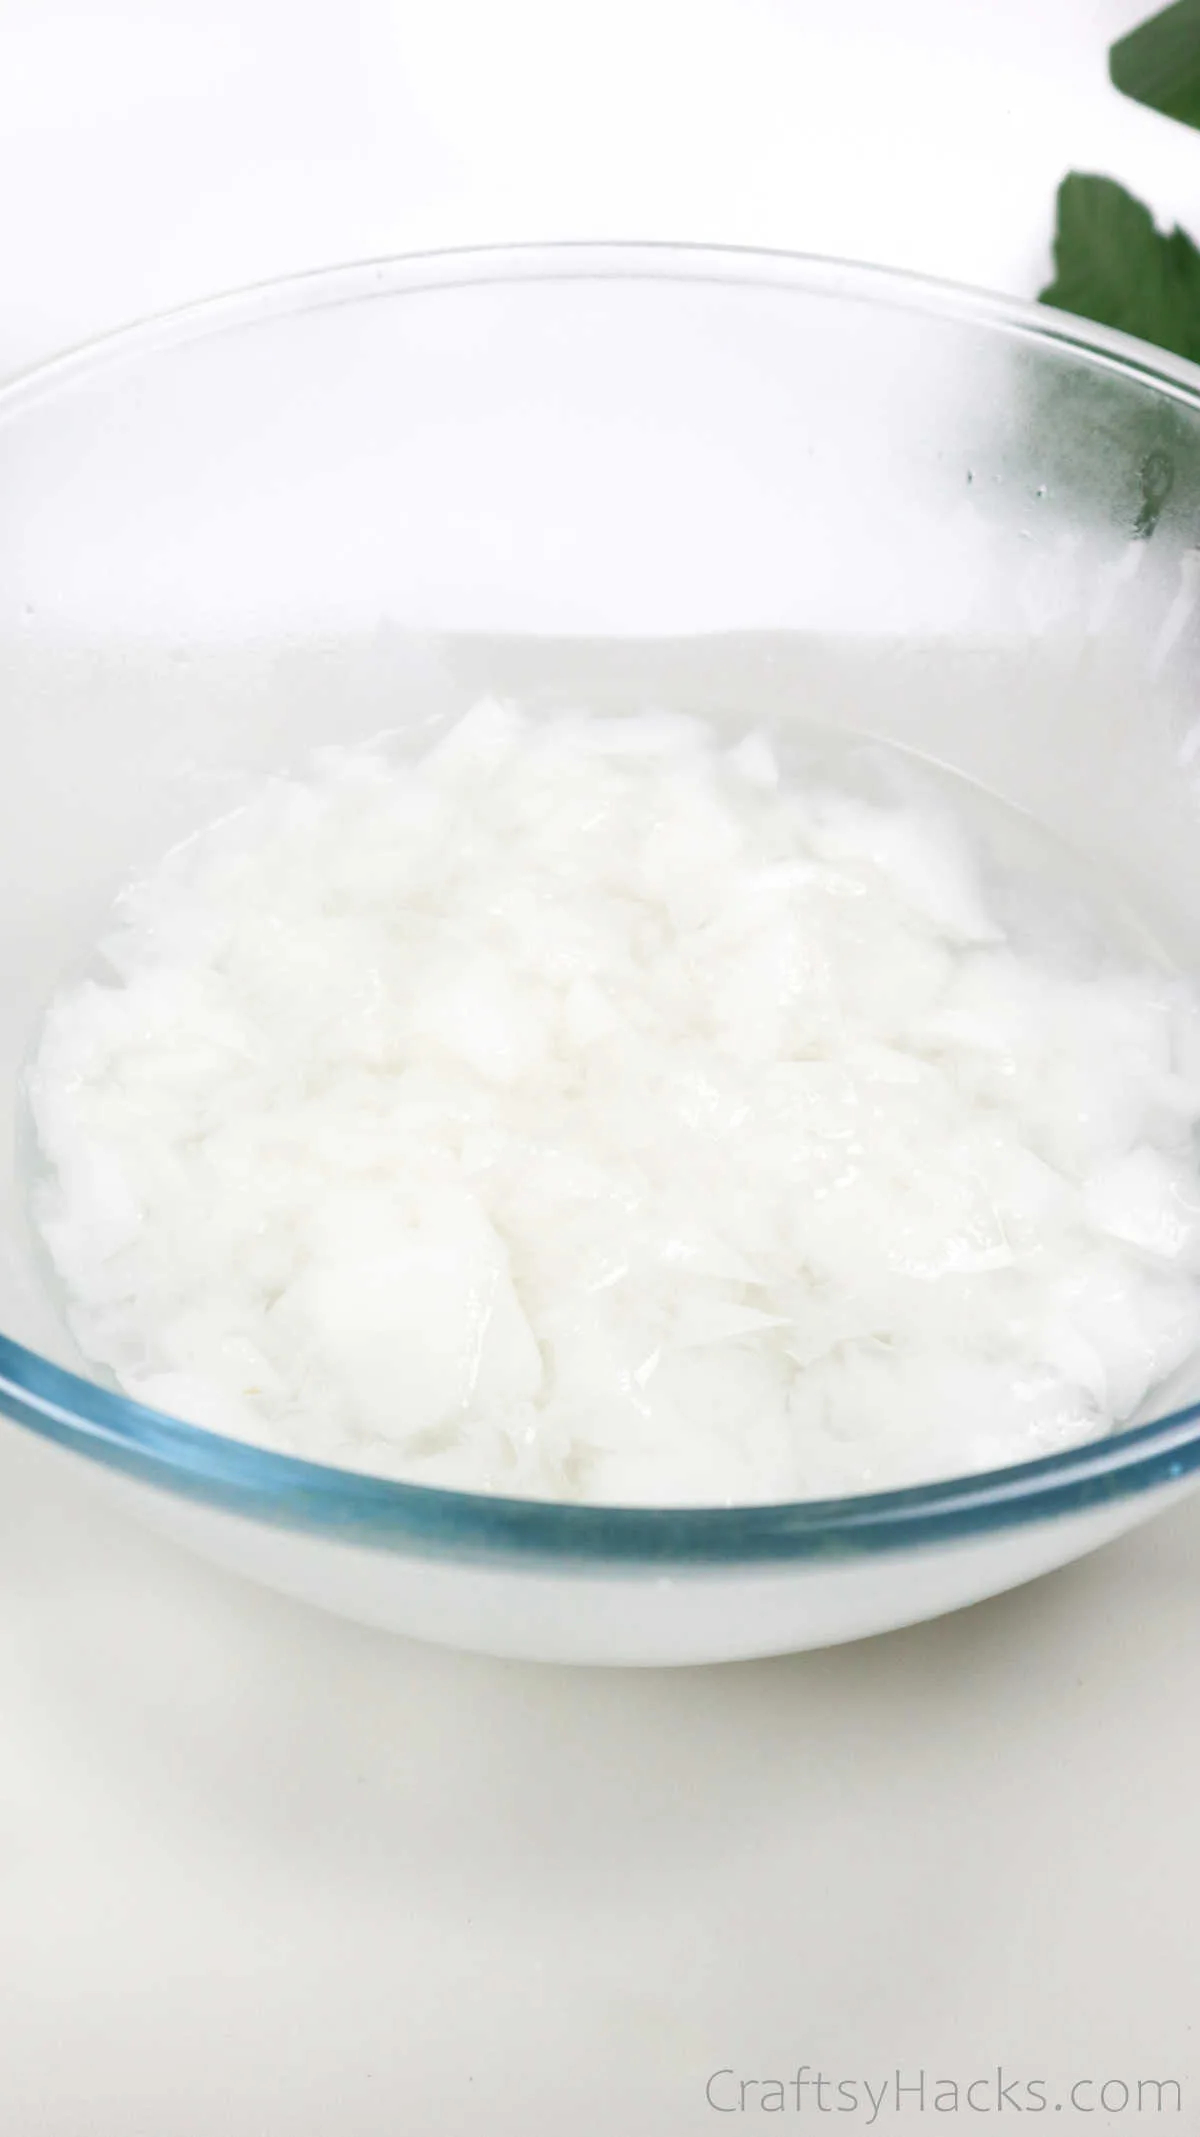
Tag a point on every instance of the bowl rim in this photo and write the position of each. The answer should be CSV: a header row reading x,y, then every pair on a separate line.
x,y
421,271
286,1491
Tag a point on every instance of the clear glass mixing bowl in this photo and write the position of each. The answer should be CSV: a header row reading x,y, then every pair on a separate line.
x,y
721,478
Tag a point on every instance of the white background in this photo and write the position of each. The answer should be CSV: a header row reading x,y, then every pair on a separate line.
x,y
153,151
267,1875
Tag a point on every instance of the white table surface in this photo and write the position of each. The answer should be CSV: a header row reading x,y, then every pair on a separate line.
x,y
267,1875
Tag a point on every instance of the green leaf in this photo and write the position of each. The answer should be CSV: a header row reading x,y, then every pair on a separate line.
x,y
1159,63
1112,265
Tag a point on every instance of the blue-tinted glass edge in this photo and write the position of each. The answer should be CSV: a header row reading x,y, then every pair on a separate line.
x,y
283,1491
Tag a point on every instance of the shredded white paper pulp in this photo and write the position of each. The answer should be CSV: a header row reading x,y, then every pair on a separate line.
x,y
583,1111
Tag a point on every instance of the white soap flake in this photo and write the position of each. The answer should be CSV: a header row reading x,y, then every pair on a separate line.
x,y
587,1110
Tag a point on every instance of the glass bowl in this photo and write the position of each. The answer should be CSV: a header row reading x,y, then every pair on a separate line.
x,y
615,473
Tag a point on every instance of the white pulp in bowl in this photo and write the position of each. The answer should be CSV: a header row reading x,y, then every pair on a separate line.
x,y
586,1110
